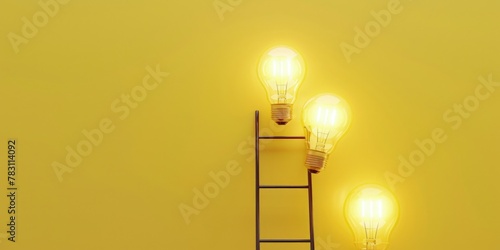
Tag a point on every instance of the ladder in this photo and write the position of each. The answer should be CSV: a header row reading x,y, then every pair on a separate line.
x,y
258,187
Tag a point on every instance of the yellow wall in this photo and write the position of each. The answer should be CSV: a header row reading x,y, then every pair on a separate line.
x,y
69,72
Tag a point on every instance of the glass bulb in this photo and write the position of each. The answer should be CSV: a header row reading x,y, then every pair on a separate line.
x,y
371,211
281,71
326,118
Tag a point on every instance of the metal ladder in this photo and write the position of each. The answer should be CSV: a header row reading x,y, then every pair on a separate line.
x,y
258,187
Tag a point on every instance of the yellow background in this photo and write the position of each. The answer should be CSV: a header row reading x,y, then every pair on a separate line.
x,y
126,194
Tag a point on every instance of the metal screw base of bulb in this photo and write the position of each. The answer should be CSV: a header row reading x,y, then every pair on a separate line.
x,y
316,161
281,113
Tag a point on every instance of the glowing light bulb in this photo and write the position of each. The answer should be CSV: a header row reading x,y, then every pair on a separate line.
x,y
281,71
371,211
326,118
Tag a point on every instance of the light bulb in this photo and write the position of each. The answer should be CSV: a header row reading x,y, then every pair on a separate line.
x,y
326,118
371,211
281,71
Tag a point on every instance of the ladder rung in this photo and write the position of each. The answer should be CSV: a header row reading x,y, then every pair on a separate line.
x,y
284,186
282,137
285,241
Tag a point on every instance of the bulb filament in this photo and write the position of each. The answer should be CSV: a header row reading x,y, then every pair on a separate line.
x,y
371,214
